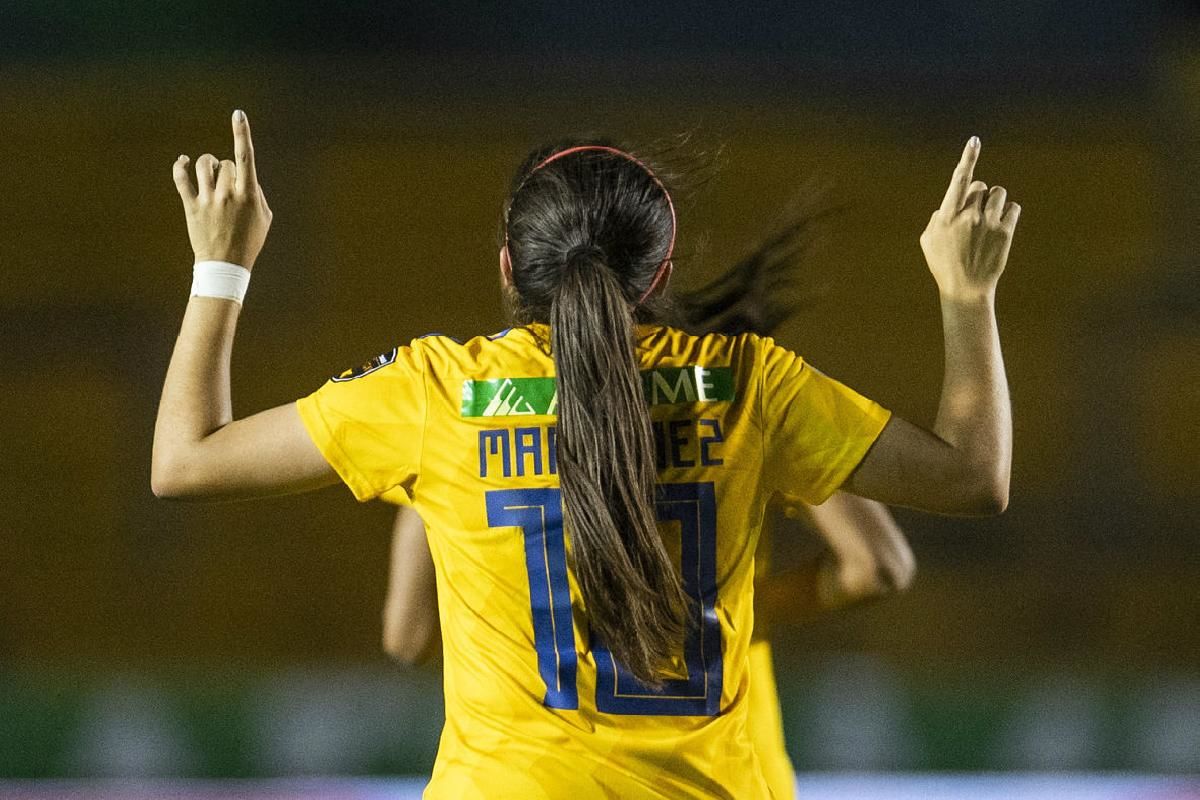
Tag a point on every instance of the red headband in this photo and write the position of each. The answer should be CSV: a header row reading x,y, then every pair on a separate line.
x,y
662,268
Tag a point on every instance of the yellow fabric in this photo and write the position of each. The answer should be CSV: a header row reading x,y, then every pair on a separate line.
x,y
517,725
397,497
764,719
762,568
766,724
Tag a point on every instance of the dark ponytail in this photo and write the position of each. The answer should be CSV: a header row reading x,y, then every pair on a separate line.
x,y
587,237
606,469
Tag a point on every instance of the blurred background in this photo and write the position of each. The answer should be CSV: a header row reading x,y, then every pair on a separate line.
x,y
144,639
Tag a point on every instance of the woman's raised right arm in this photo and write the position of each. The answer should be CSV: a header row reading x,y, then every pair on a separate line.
x,y
962,466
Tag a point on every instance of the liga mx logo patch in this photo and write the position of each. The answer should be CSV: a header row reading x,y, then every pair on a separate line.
x,y
378,362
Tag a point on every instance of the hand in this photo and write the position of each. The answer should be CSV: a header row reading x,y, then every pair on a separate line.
x,y
967,240
227,213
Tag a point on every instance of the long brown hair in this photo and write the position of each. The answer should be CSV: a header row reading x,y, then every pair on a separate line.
x,y
763,290
588,235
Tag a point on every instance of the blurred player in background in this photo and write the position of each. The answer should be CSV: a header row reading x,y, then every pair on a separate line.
x,y
594,668
864,554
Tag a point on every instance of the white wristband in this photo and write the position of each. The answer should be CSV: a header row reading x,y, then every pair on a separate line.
x,y
220,279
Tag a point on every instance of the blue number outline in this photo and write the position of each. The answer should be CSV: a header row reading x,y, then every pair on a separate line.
x,y
538,513
694,507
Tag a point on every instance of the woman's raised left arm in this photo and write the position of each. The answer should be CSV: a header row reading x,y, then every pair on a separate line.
x,y
200,451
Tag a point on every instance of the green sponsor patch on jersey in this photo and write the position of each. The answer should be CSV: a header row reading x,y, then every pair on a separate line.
x,y
513,397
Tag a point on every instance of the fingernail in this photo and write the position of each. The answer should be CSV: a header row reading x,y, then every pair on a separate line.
x,y
182,158
973,141
239,116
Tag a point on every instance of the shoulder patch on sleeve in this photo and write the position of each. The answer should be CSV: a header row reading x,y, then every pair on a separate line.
x,y
376,363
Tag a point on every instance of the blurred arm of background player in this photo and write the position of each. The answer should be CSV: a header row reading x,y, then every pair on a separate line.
x,y
411,632
865,557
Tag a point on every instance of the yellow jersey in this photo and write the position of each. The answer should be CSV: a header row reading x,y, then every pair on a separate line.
x,y
535,708
765,717
765,723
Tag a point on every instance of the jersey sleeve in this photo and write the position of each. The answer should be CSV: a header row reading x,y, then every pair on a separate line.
x,y
369,423
397,496
815,429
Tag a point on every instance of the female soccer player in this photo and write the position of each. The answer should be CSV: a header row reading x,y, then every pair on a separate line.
x,y
620,675
865,554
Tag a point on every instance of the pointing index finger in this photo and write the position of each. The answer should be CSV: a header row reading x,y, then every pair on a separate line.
x,y
963,175
243,152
